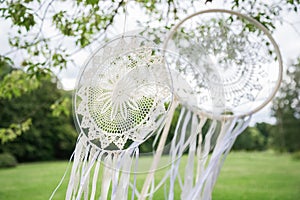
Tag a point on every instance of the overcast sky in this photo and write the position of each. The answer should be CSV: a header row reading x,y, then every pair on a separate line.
x,y
286,36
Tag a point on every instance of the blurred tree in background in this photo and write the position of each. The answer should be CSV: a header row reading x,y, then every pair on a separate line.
x,y
49,136
45,37
286,109
251,139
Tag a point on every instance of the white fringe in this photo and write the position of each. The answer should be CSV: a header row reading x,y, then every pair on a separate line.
x,y
219,138
116,167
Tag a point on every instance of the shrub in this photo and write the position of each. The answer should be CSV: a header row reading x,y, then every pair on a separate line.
x,y
7,160
250,140
296,155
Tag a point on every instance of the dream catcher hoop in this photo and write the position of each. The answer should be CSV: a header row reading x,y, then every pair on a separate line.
x,y
239,62
122,98
228,68
224,66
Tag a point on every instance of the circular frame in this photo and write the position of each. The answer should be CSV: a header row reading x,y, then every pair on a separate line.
x,y
124,51
259,26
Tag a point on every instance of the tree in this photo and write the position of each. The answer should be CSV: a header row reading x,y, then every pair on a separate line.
x,y
46,35
13,84
45,135
251,139
266,130
286,109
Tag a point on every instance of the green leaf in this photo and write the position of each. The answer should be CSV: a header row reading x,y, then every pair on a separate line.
x,y
92,2
61,106
14,130
17,83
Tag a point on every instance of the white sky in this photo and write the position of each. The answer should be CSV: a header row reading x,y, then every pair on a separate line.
x,y
287,38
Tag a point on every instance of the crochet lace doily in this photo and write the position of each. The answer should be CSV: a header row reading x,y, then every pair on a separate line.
x,y
230,63
122,93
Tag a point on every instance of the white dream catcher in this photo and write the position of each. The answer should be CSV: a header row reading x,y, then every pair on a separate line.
x,y
224,66
122,98
228,68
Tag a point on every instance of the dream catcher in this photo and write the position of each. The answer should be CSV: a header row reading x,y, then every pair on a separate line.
x,y
121,99
228,67
216,69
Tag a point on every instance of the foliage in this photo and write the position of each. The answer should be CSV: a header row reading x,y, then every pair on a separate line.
x,y
266,131
14,83
61,107
49,136
5,66
7,160
286,109
266,12
78,24
251,139
14,130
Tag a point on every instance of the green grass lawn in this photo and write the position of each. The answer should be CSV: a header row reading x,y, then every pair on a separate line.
x,y
252,176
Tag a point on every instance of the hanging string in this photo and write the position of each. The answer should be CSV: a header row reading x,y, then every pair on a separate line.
x,y
66,171
63,177
136,152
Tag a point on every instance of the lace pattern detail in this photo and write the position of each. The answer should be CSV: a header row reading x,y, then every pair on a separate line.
x,y
228,68
122,97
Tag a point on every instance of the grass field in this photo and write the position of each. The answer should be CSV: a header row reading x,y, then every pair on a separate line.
x,y
251,176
